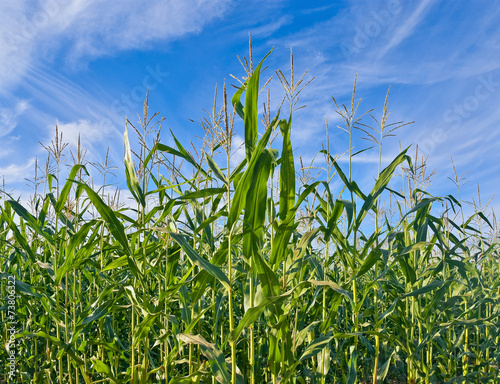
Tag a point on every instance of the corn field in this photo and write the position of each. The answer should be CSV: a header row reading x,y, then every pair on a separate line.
x,y
255,271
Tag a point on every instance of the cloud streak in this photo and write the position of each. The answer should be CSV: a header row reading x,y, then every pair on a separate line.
x,y
16,173
86,29
8,117
408,27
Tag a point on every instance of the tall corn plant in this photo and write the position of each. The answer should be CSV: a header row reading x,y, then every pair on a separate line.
x,y
211,275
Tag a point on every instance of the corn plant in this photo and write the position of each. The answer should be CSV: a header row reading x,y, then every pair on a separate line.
x,y
247,272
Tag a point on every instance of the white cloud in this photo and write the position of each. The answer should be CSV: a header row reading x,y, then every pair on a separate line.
x,y
425,85
268,29
91,134
16,173
34,30
238,147
408,27
99,26
8,117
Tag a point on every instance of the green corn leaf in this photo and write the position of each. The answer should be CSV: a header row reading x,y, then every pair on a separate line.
x,y
351,185
425,203
132,182
52,339
63,196
369,262
384,368
21,286
183,154
436,301
351,379
142,330
101,367
250,112
21,241
76,240
287,173
117,263
301,336
206,192
316,346
337,288
429,287
195,321
335,215
115,226
255,206
269,279
383,179
214,356
246,180
33,222
200,261
414,247
215,169
99,312
285,229
254,313
387,313
304,243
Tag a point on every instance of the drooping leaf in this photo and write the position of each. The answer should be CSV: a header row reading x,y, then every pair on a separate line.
x,y
63,196
381,183
200,261
429,287
315,346
253,314
214,356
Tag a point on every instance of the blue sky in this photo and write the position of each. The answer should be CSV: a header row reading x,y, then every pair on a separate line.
x,y
85,66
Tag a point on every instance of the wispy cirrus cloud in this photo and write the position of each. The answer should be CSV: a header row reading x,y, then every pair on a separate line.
x,y
407,29
269,28
38,30
8,117
91,135
97,27
16,173
37,34
84,65
404,44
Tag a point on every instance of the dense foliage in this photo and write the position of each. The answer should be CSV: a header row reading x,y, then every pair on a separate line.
x,y
252,272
